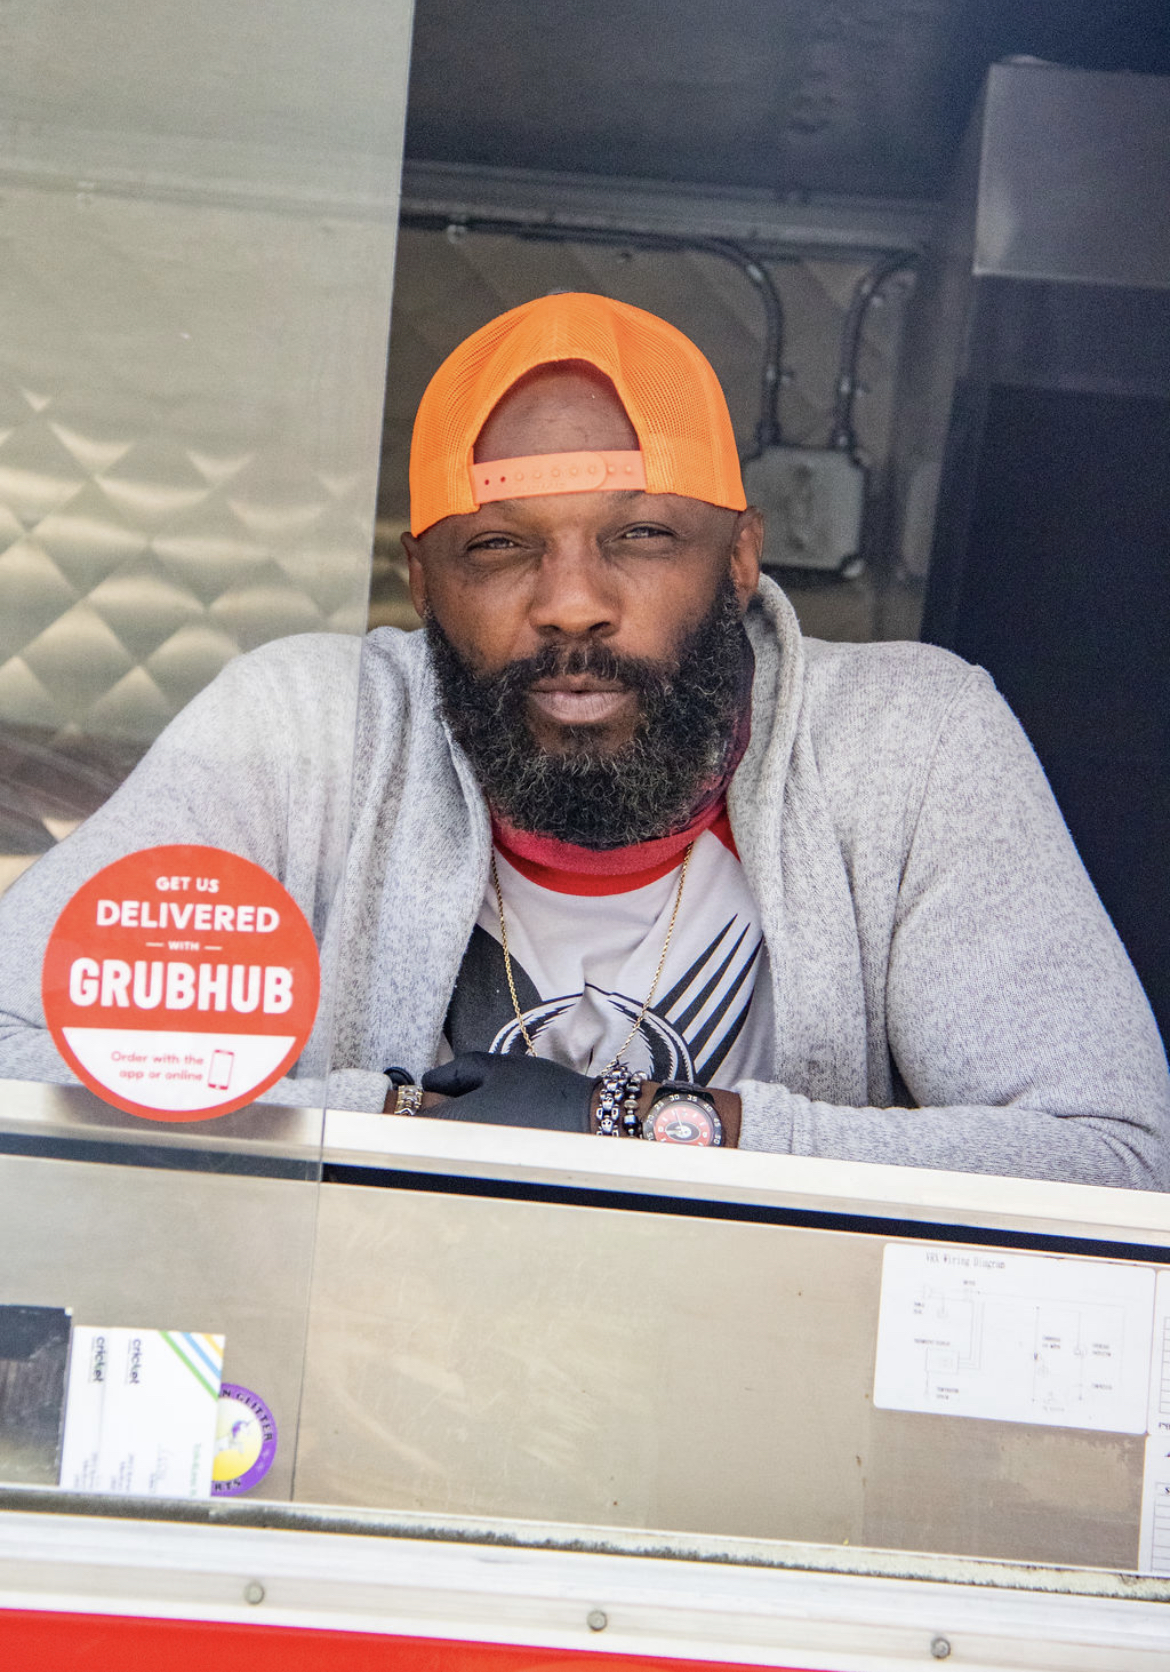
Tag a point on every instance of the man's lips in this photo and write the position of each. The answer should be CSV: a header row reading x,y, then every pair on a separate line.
x,y
579,702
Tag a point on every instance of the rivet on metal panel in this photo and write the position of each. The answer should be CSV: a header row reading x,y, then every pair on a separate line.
x,y
597,1619
253,1591
940,1647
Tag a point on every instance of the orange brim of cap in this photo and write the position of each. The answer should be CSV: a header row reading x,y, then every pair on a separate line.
x,y
667,387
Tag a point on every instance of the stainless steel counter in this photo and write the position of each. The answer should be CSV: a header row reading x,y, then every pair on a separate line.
x,y
513,1325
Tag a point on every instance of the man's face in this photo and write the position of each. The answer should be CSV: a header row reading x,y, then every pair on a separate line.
x,y
630,573
589,647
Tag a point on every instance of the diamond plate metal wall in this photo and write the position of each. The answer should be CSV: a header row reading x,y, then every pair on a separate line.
x,y
197,223
177,483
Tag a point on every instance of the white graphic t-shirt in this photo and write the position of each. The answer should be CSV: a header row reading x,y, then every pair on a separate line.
x,y
584,950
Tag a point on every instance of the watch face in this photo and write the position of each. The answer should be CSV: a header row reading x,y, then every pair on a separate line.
x,y
683,1120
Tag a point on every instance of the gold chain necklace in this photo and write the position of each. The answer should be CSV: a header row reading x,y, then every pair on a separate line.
x,y
646,1003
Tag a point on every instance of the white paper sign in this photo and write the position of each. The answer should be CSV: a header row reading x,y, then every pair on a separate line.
x,y
141,1411
1037,1338
1155,1535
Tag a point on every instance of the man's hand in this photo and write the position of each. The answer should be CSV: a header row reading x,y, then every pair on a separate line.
x,y
509,1091
531,1091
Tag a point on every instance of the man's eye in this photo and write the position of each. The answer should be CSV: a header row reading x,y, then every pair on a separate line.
x,y
492,543
646,531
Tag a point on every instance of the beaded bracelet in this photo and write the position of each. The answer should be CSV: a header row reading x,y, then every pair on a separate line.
x,y
631,1120
617,1102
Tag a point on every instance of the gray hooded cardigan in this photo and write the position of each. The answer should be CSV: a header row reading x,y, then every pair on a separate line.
x,y
948,991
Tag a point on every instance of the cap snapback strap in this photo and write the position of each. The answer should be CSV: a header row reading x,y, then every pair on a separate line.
x,y
556,473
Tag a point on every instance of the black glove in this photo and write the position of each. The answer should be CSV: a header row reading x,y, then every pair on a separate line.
x,y
510,1091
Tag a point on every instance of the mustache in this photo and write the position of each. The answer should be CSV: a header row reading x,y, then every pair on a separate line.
x,y
597,661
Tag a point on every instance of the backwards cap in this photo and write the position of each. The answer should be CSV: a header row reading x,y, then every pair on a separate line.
x,y
670,393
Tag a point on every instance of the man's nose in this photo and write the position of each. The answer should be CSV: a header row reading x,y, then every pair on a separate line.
x,y
574,593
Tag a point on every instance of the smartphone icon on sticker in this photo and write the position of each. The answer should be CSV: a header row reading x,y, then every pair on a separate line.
x,y
220,1071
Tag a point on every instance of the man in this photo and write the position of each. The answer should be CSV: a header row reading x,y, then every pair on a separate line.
x,y
614,819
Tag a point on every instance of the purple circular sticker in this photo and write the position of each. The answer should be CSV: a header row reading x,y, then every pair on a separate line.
x,y
245,1440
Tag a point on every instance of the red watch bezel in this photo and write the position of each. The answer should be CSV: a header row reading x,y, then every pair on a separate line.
x,y
702,1116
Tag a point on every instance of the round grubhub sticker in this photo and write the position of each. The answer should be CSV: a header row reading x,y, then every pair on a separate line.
x,y
245,1440
181,982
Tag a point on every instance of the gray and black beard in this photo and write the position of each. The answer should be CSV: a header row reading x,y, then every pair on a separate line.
x,y
582,792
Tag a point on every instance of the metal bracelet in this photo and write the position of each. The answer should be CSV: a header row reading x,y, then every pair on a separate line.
x,y
408,1101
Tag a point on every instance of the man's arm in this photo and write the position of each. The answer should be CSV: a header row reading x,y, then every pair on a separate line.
x,y
231,771
1013,1015
518,1095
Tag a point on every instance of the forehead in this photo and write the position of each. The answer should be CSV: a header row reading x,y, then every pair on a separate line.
x,y
592,515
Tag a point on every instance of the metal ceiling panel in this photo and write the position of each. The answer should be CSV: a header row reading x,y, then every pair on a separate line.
x,y
863,97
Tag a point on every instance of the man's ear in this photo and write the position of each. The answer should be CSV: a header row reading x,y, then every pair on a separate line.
x,y
416,576
746,549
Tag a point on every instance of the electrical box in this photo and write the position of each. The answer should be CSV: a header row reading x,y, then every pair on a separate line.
x,y
813,499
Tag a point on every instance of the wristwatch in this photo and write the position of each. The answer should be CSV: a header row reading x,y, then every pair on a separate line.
x,y
682,1113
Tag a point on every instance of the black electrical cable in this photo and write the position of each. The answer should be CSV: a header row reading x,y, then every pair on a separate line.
x,y
843,434
767,432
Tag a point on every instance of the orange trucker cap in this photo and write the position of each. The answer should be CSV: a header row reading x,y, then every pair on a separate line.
x,y
670,393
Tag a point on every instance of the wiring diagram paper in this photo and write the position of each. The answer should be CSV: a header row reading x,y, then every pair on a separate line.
x,y
1037,1338
1154,1556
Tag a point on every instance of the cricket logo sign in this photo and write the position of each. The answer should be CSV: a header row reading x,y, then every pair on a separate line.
x,y
181,982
